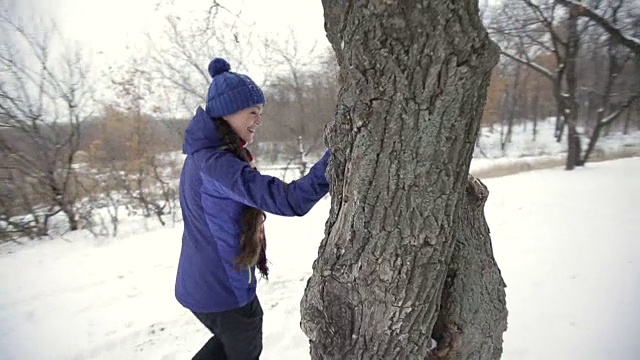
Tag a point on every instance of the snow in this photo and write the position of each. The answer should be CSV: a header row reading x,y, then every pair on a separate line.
x,y
525,153
568,248
566,243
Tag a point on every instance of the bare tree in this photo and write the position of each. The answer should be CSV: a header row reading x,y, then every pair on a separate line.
x,y
407,253
535,27
511,107
612,103
611,28
610,22
43,102
145,166
291,77
180,55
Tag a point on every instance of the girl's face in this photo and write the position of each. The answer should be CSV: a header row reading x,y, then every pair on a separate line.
x,y
245,122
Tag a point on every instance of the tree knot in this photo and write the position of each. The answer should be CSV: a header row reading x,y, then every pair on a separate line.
x,y
477,189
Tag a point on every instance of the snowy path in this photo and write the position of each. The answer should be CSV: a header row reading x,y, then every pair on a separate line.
x,y
567,244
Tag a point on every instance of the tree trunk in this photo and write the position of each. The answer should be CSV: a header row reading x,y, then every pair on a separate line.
x,y
595,135
413,80
503,119
71,217
473,285
612,73
627,120
523,107
512,107
571,104
536,103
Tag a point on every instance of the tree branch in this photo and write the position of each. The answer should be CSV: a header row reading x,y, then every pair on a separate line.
x,y
631,43
614,115
540,69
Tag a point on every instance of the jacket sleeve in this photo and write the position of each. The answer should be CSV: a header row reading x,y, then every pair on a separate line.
x,y
236,179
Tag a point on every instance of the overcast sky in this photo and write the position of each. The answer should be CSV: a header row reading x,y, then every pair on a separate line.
x,y
110,30
107,27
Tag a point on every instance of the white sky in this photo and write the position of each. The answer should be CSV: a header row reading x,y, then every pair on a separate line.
x,y
111,31
107,28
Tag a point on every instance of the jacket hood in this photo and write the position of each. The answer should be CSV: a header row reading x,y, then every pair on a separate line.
x,y
201,133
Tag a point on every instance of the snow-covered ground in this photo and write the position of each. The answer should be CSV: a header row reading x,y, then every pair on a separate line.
x,y
566,243
569,250
524,152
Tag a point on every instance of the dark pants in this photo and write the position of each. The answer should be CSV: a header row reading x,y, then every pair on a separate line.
x,y
237,333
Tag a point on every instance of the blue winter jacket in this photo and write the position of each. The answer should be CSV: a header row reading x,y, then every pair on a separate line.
x,y
215,187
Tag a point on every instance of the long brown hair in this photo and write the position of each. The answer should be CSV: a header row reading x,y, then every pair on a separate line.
x,y
252,242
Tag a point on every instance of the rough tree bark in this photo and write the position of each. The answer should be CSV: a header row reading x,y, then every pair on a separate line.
x,y
407,253
473,312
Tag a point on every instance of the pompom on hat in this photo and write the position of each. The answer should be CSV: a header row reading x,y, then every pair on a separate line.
x,y
230,92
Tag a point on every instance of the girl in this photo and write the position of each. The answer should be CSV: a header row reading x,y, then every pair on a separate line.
x,y
224,200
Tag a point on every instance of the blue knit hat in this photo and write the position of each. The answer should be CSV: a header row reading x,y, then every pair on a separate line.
x,y
230,92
